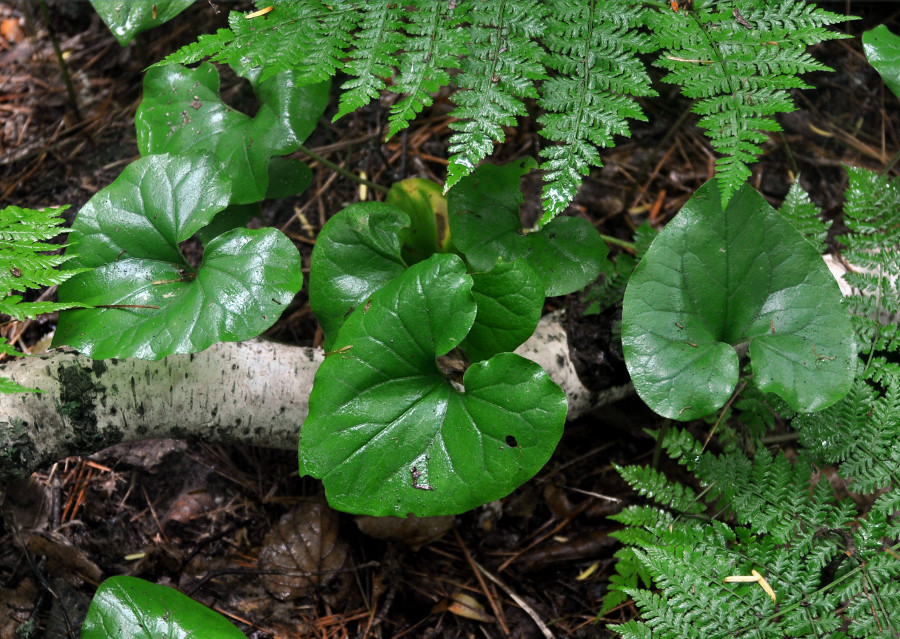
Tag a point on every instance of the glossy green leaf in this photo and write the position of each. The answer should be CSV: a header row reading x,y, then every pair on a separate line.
x,y
389,434
287,177
127,18
231,217
424,202
182,111
356,253
131,608
510,298
567,253
883,51
156,304
714,279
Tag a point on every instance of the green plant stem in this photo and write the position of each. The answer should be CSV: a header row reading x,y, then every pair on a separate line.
x,y
628,246
339,169
657,449
63,67
890,165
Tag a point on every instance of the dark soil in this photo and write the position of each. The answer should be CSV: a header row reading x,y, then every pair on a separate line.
x,y
199,517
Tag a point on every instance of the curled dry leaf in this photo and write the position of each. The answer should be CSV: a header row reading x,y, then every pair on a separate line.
x,y
414,532
307,554
463,605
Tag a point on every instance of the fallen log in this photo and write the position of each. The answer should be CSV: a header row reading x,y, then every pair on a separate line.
x,y
249,393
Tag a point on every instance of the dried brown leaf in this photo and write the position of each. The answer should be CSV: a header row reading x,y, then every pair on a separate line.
x,y
308,555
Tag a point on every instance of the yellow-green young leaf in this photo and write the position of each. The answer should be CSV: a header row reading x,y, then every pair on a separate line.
x,y
715,279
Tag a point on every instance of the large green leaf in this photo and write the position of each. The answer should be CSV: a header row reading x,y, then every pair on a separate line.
x,y
714,279
182,111
883,51
567,253
127,18
131,608
356,253
510,298
156,304
390,434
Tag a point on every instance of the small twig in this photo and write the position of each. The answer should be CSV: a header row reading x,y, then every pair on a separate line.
x,y
286,573
334,167
725,408
487,593
545,630
628,246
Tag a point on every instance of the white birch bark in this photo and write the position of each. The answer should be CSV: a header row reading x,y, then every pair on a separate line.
x,y
252,393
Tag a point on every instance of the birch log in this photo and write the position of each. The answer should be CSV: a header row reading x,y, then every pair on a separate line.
x,y
251,393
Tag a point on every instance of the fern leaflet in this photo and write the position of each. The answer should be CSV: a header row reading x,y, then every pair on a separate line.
x,y
305,35
501,68
823,559
435,41
805,216
872,214
28,262
376,44
593,48
738,60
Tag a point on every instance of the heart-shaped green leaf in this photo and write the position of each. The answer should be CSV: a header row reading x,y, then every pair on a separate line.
x,y
883,51
389,434
128,607
155,303
356,253
510,298
714,279
567,253
182,111
127,18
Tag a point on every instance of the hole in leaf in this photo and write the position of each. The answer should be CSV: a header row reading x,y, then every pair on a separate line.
x,y
511,441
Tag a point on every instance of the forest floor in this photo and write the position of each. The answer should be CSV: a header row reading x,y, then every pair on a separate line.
x,y
197,517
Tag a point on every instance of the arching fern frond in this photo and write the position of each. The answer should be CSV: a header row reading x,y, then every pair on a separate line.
x,y
581,59
500,69
434,44
738,60
593,48
376,44
862,431
308,36
823,559
805,216
872,215
29,262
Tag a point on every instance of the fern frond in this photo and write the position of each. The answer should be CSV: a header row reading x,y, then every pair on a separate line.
x,y
308,36
872,215
739,74
435,40
25,263
593,47
500,69
805,216
813,558
375,46
651,483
